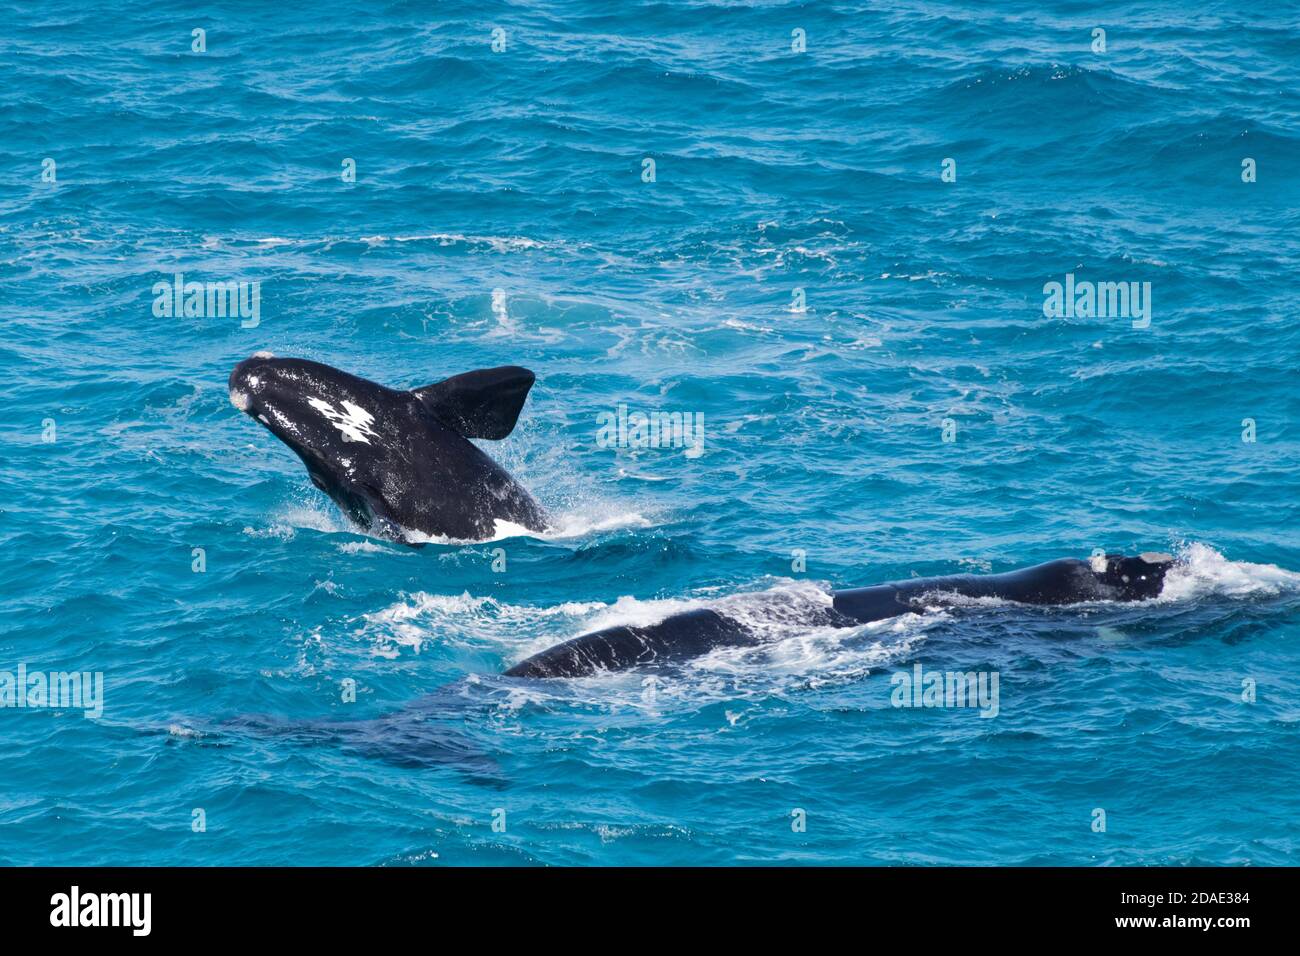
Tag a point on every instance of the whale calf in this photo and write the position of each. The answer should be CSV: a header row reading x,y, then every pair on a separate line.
x,y
1114,577
397,462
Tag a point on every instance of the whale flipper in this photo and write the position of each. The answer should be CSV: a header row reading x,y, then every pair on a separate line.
x,y
484,403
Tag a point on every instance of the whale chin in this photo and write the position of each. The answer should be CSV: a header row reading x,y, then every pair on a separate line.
x,y
240,400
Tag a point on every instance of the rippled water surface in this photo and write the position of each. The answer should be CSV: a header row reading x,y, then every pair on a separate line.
x,y
799,273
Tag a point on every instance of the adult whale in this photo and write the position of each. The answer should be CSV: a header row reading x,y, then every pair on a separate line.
x,y
691,633
397,461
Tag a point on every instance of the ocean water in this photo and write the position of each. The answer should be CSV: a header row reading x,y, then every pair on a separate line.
x,y
797,271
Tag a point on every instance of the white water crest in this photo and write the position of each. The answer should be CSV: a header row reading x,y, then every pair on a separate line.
x,y
418,618
1200,571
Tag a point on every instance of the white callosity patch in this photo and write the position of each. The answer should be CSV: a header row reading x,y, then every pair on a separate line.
x,y
239,399
353,422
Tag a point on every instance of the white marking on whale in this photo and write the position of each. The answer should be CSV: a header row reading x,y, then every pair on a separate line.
x,y
353,422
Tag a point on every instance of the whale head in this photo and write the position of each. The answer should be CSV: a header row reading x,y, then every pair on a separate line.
x,y
396,461
1134,578
315,410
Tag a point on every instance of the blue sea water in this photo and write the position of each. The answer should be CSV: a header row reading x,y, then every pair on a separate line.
x,y
798,272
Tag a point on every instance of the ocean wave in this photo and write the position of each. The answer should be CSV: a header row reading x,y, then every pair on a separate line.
x,y
456,240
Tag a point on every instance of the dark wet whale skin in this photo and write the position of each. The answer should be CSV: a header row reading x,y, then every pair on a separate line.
x,y
380,453
692,633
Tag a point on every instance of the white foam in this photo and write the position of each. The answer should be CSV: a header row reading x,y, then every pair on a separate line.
x,y
495,243
371,547
628,611
287,522
420,617
624,473
746,326
1200,571
577,525
821,656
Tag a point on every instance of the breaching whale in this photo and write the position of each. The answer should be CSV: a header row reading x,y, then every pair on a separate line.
x,y
691,633
397,461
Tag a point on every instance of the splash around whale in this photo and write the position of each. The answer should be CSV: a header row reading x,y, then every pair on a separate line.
x,y
1113,577
399,463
